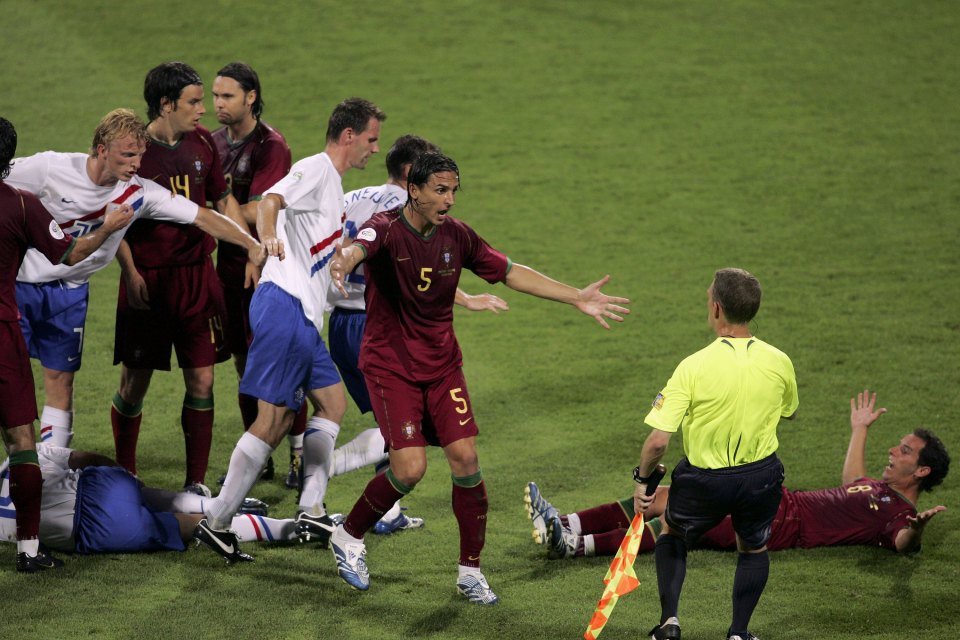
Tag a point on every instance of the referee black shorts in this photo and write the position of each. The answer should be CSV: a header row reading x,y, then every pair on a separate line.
x,y
701,498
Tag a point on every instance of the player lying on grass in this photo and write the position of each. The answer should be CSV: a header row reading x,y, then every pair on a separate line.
x,y
93,505
860,511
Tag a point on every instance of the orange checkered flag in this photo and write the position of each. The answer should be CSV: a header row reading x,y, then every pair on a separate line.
x,y
621,579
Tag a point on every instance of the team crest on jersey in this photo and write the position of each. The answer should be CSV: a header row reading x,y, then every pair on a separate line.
x,y
367,234
446,255
298,395
243,164
658,401
55,230
298,176
408,430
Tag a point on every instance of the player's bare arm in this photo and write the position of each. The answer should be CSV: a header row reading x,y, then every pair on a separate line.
x,y
909,538
112,222
223,228
480,302
138,297
267,211
589,300
345,260
229,207
863,413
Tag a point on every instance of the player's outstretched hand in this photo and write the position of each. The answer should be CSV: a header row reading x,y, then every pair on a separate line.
x,y
251,273
485,302
118,218
273,248
924,517
137,295
862,410
593,302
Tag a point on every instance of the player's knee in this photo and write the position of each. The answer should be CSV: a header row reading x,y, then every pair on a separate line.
x,y
199,382
410,473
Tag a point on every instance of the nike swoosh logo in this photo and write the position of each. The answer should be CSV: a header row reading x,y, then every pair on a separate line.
x,y
67,201
71,359
402,259
463,422
226,548
473,558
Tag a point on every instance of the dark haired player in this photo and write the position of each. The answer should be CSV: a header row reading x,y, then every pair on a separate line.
x,y
411,361
169,295
24,222
862,511
255,156
299,220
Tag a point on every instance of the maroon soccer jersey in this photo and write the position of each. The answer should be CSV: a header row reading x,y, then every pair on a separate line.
x,y
192,169
24,222
866,512
251,166
411,284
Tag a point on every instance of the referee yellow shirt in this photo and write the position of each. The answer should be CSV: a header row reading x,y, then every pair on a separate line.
x,y
729,398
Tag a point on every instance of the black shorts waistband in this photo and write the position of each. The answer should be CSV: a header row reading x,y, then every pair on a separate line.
x,y
743,468
339,310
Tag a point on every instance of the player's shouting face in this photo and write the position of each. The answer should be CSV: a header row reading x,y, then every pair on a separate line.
x,y
434,200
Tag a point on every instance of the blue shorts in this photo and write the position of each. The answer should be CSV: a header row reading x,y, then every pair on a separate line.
x,y
52,318
111,516
346,333
287,357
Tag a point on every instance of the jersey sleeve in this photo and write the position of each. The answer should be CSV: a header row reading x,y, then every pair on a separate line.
x,y
790,398
371,236
299,188
30,173
484,260
671,404
273,165
42,231
160,204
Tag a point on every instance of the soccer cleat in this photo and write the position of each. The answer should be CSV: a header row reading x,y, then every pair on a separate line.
x,y
669,630
253,507
40,562
224,543
476,589
540,512
292,481
401,522
199,489
743,636
563,541
315,528
350,559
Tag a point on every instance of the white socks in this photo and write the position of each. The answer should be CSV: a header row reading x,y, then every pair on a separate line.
x,y
30,547
573,523
56,426
318,443
366,448
247,460
250,528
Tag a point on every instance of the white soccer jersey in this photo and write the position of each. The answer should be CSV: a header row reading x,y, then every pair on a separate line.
x,y
61,182
57,504
309,228
361,205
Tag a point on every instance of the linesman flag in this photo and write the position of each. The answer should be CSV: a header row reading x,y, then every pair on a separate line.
x,y
621,579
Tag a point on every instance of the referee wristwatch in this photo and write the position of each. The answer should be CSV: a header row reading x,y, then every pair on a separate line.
x,y
638,478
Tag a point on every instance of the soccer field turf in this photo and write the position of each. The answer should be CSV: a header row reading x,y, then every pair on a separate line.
x,y
816,144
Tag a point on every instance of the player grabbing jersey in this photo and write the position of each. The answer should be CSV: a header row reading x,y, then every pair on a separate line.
x,y
25,223
411,361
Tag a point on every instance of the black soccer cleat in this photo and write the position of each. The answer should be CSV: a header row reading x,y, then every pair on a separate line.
x,y
253,507
317,528
670,630
224,543
35,564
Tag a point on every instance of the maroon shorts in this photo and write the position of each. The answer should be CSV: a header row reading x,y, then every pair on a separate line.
x,y
415,415
186,313
18,399
236,328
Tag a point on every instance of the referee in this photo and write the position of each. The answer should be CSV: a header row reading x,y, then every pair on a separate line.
x,y
729,398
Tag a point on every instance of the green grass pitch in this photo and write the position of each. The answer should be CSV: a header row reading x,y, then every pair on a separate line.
x,y
816,144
